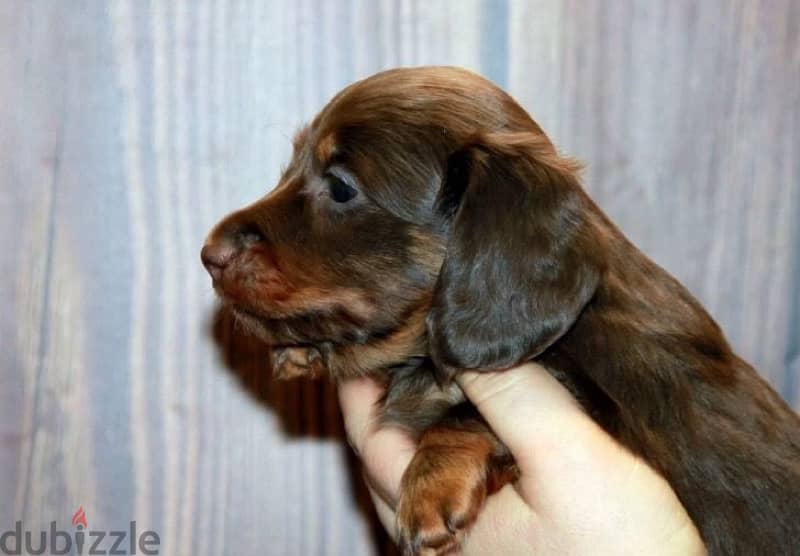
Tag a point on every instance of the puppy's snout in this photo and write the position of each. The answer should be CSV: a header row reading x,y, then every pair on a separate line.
x,y
225,244
217,254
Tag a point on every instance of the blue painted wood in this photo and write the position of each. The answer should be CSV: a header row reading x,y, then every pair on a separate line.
x,y
128,128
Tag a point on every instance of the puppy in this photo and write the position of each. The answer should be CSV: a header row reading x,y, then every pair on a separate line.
x,y
427,225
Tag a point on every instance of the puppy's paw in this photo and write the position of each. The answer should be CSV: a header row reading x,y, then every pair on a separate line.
x,y
293,362
442,492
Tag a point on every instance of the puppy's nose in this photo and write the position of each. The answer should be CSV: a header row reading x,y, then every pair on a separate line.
x,y
217,255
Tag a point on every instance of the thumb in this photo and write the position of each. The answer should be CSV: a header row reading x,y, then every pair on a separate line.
x,y
576,478
531,412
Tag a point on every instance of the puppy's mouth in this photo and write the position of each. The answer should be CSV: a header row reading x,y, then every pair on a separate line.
x,y
301,330
251,320
271,330
309,330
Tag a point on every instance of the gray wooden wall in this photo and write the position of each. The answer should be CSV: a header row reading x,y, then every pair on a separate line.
x,y
128,127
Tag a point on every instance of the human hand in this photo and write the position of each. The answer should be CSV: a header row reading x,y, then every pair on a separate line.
x,y
579,491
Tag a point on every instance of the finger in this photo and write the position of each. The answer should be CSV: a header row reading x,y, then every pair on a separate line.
x,y
530,411
384,451
386,514
358,398
505,525
386,454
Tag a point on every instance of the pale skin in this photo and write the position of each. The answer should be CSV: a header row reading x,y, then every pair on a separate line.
x,y
580,492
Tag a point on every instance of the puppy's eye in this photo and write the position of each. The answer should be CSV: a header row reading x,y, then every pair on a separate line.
x,y
340,191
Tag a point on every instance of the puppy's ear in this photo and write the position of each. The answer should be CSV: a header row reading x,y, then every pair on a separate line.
x,y
520,263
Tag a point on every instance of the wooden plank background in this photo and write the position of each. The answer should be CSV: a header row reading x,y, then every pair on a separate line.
x,y
127,128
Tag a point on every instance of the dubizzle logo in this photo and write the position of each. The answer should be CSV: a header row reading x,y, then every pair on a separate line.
x,y
115,543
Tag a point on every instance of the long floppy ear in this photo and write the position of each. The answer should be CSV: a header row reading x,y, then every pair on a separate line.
x,y
520,263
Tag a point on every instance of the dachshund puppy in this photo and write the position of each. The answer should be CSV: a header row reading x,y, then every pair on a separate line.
x,y
426,225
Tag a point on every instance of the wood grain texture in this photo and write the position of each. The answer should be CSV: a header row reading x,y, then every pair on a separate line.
x,y
128,128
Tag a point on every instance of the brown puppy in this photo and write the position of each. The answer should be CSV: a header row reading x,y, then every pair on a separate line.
x,y
427,225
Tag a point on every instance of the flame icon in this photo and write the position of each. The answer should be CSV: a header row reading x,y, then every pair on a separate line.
x,y
79,518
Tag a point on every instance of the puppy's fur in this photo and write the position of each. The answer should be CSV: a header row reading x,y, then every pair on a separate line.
x,y
427,225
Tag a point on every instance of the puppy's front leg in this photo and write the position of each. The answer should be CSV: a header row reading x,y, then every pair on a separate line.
x,y
458,463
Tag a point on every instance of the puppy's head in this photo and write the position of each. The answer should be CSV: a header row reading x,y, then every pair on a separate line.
x,y
423,214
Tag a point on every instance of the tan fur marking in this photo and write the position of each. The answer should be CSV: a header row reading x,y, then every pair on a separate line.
x,y
326,148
